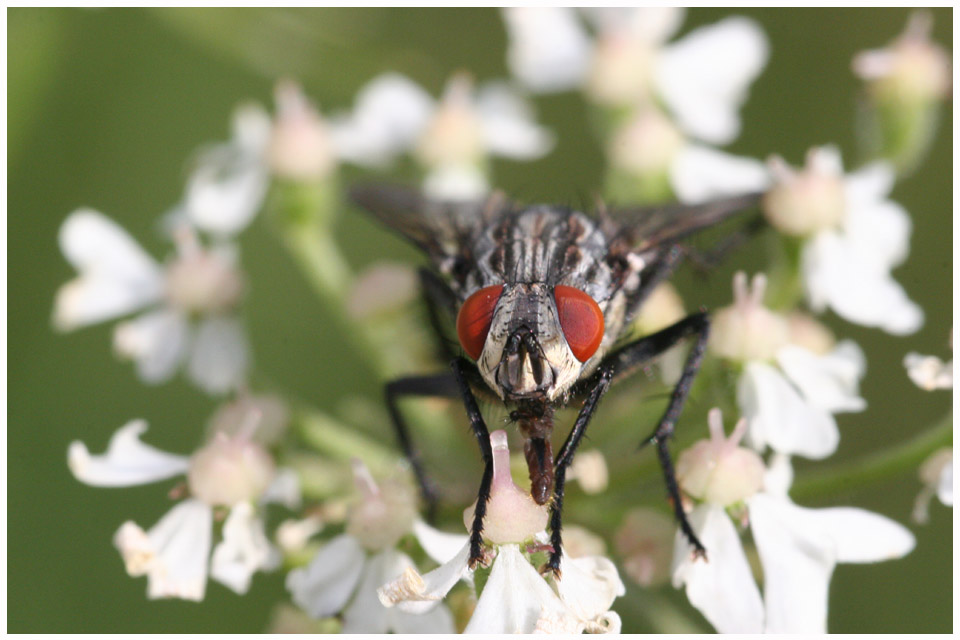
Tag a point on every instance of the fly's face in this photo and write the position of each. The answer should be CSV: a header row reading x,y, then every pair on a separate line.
x,y
530,341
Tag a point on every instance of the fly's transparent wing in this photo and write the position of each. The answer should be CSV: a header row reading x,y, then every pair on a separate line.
x,y
440,229
645,228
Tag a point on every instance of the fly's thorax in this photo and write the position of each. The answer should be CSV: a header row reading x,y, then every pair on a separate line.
x,y
526,354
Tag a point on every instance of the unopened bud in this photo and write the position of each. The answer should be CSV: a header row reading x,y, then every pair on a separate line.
x,y
454,136
229,470
384,514
300,147
512,515
717,470
803,202
747,330
622,69
203,280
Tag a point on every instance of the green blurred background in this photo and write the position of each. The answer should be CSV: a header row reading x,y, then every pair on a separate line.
x,y
106,106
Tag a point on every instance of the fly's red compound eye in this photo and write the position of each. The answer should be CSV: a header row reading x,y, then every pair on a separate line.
x,y
580,319
473,321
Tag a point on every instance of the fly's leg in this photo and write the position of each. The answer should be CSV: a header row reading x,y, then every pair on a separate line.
x,y
563,460
440,299
439,385
460,369
631,357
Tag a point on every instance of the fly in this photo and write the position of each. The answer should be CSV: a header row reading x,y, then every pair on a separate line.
x,y
543,298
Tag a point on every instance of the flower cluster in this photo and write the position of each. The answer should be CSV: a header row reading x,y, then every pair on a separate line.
x,y
358,555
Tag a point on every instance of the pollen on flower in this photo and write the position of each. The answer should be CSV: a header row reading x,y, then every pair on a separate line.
x,y
717,470
512,515
409,586
135,548
747,330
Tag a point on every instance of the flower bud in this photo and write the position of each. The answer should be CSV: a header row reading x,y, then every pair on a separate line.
x,y
622,69
746,330
717,470
807,332
454,136
202,280
512,515
300,147
911,70
803,202
229,470
384,514
589,468
267,412
646,145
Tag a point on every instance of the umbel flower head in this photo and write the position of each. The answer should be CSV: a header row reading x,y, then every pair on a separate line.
x,y
798,547
230,471
515,597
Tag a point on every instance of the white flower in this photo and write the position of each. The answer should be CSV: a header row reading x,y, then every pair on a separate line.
x,y
174,554
911,69
702,78
346,572
852,235
451,138
798,549
300,146
515,598
116,277
227,186
787,393
929,372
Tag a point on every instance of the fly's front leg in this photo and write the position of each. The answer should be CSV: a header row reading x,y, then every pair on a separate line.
x,y
460,367
628,359
440,385
565,457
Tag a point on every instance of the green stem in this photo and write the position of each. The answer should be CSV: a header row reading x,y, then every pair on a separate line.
x,y
880,465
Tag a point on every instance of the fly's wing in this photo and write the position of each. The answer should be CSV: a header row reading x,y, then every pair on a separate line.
x,y
646,228
440,229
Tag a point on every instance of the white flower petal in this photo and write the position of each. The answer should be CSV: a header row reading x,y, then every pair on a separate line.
x,y
243,550
508,126
547,48
860,536
704,77
227,187
116,275
514,597
780,418
830,381
324,586
945,484
457,183
414,593
126,462
650,25
285,489
439,545
721,588
836,274
699,174
869,184
880,231
366,614
156,341
929,372
173,554
798,559
589,585
390,114
220,355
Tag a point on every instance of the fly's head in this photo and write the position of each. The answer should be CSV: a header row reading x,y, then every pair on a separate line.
x,y
530,341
